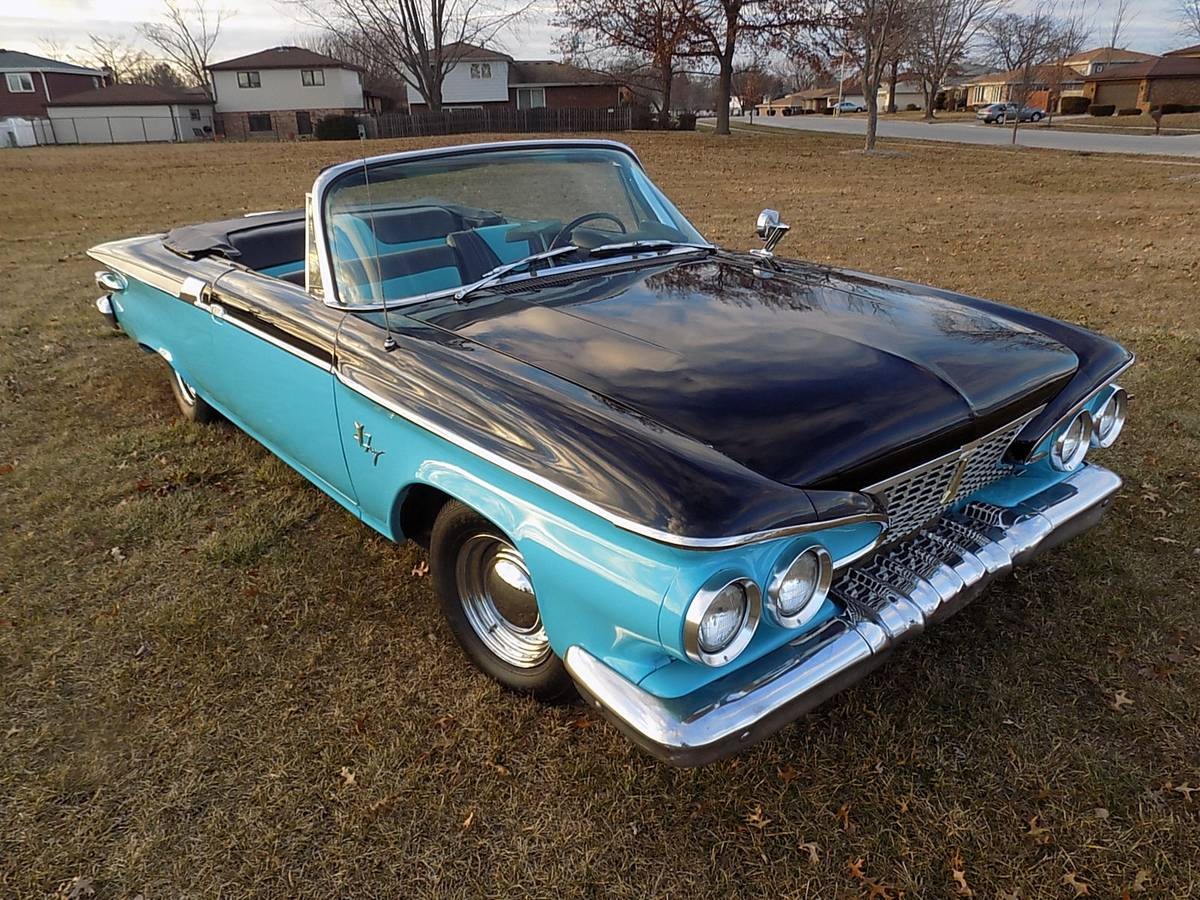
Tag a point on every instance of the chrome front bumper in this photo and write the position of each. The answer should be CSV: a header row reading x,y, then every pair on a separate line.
x,y
884,601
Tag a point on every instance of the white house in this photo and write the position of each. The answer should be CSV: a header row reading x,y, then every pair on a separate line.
x,y
130,113
908,93
282,92
486,79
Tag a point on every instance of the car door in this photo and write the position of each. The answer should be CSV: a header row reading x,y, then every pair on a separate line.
x,y
272,347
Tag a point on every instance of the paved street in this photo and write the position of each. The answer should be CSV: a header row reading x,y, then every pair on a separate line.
x,y
970,133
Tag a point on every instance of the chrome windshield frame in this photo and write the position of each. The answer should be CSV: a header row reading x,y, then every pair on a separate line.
x,y
328,176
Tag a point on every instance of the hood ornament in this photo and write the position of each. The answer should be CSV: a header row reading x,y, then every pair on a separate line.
x,y
771,230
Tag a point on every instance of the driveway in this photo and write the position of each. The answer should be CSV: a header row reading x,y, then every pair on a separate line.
x,y
971,133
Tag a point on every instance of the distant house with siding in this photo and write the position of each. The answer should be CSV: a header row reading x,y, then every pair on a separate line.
x,y
280,93
482,78
1172,78
29,82
131,113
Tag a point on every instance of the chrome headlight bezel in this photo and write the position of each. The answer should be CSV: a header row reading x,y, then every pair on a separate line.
x,y
1066,461
699,607
1109,418
813,603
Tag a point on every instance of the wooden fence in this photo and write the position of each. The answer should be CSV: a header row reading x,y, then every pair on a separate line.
x,y
507,119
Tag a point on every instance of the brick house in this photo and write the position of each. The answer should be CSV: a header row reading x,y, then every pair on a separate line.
x,y
1064,79
1173,78
281,93
488,78
28,83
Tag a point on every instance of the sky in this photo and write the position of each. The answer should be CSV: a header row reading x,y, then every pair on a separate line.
x,y
268,23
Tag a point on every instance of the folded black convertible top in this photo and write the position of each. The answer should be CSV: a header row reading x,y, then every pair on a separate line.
x,y
219,238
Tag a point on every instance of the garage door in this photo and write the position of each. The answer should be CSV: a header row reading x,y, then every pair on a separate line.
x,y
1121,94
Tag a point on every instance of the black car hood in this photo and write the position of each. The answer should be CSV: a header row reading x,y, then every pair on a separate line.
x,y
812,378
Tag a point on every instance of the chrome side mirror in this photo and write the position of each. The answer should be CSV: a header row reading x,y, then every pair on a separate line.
x,y
771,230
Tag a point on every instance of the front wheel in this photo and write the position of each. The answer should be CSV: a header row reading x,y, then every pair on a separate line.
x,y
487,597
1037,117
191,404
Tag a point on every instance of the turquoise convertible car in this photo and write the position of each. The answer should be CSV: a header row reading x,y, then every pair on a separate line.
x,y
705,489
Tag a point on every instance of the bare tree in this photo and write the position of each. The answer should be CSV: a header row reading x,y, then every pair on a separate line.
x,y
723,28
186,37
123,61
417,41
1189,17
1033,47
653,30
942,33
871,33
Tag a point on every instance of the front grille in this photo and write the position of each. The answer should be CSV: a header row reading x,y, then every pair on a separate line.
x,y
920,495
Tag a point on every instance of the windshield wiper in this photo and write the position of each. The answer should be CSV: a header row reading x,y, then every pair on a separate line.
x,y
490,278
646,246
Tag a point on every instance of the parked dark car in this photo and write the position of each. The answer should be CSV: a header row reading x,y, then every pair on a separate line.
x,y
706,488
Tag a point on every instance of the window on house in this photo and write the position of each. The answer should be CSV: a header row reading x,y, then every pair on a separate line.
x,y
259,122
194,114
198,132
20,82
481,70
249,80
1098,67
312,77
531,98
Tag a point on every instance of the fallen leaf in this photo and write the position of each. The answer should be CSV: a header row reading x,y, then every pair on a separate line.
x,y
1005,895
348,777
787,774
843,816
958,871
1100,812
1121,699
1037,834
117,554
875,889
1186,789
1140,880
468,821
6,468
814,857
756,819
421,569
500,769
77,887
1166,540
1082,888
855,869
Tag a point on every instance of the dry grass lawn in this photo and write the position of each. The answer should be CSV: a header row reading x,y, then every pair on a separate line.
x,y
213,682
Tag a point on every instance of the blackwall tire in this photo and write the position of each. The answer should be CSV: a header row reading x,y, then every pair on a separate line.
x,y
191,405
486,595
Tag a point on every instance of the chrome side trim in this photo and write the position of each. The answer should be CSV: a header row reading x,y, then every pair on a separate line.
x,y
882,605
625,524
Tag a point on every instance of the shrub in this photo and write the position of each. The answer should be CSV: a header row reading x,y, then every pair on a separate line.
x,y
1097,110
1129,111
337,128
1170,109
912,107
684,122
1073,106
828,110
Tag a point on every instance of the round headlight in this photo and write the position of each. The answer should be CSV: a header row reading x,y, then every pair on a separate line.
x,y
1070,447
721,620
1109,419
798,586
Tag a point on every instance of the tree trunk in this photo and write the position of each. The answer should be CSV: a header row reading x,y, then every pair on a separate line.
x,y
892,78
872,119
724,90
1016,123
664,111
930,97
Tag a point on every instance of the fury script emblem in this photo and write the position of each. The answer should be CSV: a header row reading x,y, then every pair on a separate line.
x,y
364,440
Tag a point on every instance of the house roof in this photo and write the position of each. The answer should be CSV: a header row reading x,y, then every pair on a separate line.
x,y
548,72
1109,54
1063,74
1162,67
473,51
133,95
1193,50
282,58
16,61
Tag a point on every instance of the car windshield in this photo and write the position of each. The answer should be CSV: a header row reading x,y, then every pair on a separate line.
x,y
408,228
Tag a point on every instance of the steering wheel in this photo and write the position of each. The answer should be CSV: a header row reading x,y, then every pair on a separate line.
x,y
564,236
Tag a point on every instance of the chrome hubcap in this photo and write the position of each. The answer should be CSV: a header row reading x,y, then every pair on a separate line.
x,y
497,597
185,389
